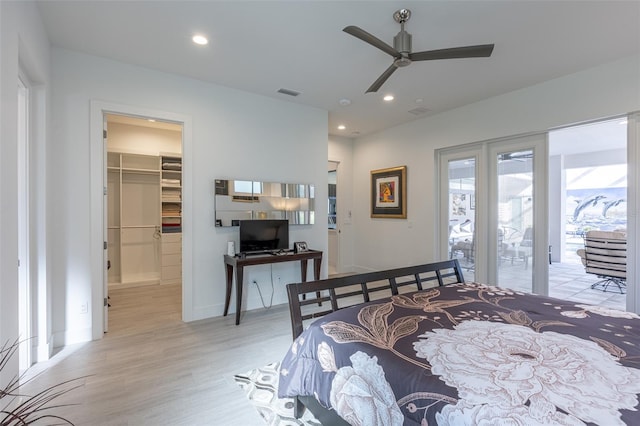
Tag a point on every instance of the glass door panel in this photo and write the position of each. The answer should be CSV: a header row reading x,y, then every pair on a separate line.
x,y
515,247
462,214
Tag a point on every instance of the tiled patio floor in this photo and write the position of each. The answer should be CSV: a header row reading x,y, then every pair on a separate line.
x,y
567,281
570,282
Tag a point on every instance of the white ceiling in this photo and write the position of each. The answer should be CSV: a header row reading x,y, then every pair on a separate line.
x,y
262,46
599,136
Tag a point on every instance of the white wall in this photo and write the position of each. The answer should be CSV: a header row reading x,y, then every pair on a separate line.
x,y
234,135
604,91
23,44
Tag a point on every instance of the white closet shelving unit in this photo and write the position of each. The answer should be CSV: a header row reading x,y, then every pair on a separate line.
x,y
134,219
171,194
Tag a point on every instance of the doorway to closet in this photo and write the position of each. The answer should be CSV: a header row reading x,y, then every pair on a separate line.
x,y
144,222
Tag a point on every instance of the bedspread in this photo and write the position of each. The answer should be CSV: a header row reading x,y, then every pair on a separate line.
x,y
467,354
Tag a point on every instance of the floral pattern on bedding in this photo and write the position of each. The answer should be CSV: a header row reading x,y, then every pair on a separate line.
x,y
468,354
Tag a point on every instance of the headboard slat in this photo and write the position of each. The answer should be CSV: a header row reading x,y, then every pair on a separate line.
x,y
359,288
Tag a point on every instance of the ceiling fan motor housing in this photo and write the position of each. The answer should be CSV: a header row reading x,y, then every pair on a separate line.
x,y
402,44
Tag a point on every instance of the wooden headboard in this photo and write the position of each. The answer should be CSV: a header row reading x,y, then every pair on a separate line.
x,y
307,300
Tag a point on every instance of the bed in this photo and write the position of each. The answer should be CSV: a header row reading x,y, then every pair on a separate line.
x,y
419,346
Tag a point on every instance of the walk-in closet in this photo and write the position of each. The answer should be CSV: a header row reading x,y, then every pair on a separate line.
x,y
144,202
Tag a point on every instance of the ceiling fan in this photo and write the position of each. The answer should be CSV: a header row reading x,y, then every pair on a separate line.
x,y
516,156
401,50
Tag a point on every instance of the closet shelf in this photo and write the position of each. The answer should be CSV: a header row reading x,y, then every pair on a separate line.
x,y
144,220
141,171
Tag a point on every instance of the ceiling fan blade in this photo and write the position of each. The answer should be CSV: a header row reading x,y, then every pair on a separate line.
x,y
479,51
371,39
380,81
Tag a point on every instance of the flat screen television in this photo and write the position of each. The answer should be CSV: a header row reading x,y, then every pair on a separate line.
x,y
263,236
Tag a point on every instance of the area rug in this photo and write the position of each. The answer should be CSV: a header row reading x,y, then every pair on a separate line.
x,y
261,387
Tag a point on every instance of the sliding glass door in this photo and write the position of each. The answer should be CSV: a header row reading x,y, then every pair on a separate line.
x,y
515,219
461,213
492,198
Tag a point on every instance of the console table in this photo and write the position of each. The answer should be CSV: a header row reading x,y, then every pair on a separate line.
x,y
239,263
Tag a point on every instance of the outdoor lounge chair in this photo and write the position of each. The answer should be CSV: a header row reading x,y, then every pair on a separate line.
x,y
605,255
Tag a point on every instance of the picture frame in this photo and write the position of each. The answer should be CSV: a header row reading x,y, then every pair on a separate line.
x,y
300,246
389,193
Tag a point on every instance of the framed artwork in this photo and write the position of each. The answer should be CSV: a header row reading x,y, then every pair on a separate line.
x,y
389,193
300,246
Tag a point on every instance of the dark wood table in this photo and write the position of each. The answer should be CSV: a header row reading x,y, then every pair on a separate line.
x,y
239,263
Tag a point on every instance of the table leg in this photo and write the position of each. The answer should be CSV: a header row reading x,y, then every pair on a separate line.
x,y
227,297
239,282
303,274
316,274
317,262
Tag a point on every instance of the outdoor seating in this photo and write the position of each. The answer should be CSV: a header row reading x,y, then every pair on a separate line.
x,y
605,255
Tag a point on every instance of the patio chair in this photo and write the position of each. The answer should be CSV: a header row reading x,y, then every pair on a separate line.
x,y
605,255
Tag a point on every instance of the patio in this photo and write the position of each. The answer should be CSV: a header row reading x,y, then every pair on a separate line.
x,y
567,280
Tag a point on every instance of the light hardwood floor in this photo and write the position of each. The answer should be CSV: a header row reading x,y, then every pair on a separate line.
x,y
152,369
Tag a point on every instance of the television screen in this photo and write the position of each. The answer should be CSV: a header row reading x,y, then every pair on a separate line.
x,y
258,236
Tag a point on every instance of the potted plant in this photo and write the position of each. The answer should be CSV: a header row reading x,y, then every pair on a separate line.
x,y
17,409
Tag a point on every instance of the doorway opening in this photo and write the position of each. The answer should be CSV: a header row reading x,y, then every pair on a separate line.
x,y
332,221
589,169
144,222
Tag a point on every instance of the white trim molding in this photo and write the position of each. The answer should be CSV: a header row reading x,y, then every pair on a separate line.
x,y
97,161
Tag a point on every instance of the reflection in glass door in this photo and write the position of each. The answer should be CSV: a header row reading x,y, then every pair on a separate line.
x,y
462,217
515,219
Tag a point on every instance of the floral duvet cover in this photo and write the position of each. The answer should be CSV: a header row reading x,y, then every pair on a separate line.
x,y
468,354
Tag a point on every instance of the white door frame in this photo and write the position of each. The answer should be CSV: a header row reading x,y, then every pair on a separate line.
x,y
98,220
442,220
336,230
538,143
25,307
486,210
105,235
633,211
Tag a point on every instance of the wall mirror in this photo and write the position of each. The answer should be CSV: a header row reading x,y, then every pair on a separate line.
x,y
237,200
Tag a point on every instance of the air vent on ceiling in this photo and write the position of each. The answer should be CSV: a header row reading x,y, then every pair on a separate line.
x,y
419,111
288,92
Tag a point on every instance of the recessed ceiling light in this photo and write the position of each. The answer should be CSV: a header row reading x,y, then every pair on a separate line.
x,y
388,98
344,102
200,39
342,127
